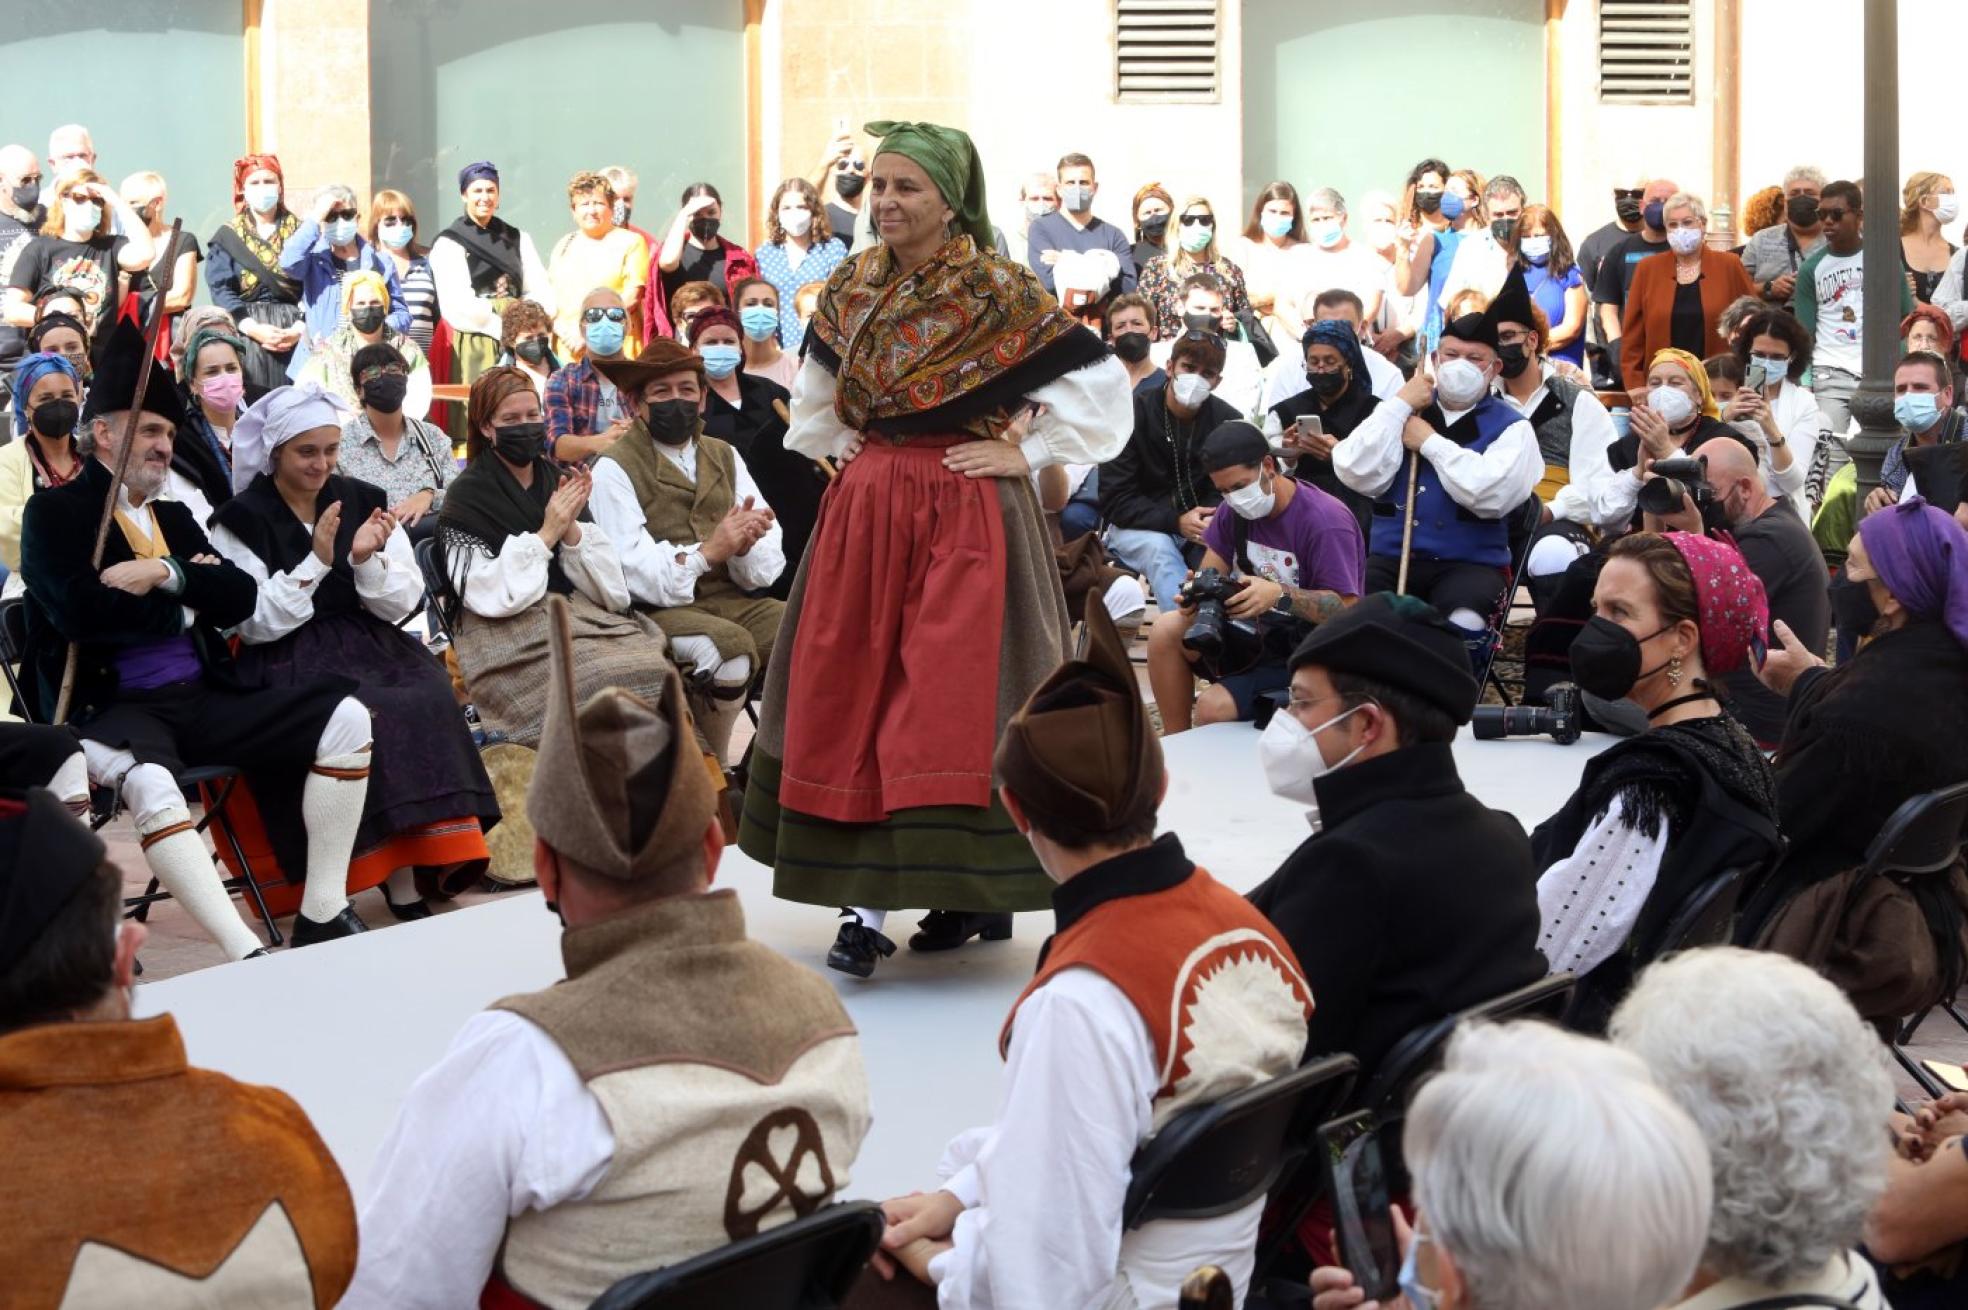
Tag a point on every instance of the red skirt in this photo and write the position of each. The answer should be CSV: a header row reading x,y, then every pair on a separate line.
x,y
893,682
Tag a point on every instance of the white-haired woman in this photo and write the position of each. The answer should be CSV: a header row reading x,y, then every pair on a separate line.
x,y
1678,296
324,249
1548,1171
1790,1090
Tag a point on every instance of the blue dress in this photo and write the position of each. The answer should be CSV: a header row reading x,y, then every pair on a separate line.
x,y
1549,294
818,266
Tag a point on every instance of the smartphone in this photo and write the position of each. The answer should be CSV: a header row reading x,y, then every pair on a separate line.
x,y
1952,1076
1310,426
1759,650
1363,1223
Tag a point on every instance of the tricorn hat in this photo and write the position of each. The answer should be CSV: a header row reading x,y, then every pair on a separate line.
x,y
1512,303
113,387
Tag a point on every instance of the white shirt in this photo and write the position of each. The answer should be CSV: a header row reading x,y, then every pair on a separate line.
x,y
1315,269
1243,377
665,573
446,1183
467,311
1951,294
1490,484
1287,379
1795,412
1841,311
1480,264
1592,433
1589,901
388,584
500,586
1089,415
1042,1188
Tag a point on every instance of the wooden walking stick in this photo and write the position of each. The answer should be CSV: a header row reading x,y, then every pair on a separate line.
x,y
162,284
1408,523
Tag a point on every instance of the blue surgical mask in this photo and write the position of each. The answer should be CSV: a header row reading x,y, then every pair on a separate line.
x,y
341,231
1419,1296
84,218
261,197
1916,411
1452,206
721,361
1329,235
1277,226
604,336
759,321
1535,250
396,235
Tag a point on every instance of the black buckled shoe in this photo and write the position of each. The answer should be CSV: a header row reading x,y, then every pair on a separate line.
x,y
857,947
945,930
407,911
346,924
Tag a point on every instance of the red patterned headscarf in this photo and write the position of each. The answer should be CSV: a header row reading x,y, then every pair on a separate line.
x,y
1734,609
249,163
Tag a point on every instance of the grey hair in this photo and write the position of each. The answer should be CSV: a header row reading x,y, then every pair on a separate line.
x,y
1805,173
1791,1090
1736,313
1504,185
342,194
1687,200
619,177
1031,180
1326,197
1554,1173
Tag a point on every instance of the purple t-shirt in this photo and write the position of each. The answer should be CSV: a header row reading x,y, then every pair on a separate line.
x,y
1314,545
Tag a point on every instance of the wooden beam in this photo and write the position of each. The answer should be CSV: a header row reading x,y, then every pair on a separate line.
x,y
754,128
250,21
1728,121
1554,104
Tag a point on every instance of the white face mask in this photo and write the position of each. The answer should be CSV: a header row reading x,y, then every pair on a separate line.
x,y
1293,761
1947,206
1672,404
796,222
82,220
1253,501
1460,383
1684,240
1189,389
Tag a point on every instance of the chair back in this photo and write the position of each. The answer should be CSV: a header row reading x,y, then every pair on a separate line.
x,y
808,1264
13,646
1213,1159
1706,918
1420,1053
430,562
1923,836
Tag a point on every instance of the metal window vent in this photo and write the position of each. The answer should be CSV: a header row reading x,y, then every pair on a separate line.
x,y
1165,51
1647,52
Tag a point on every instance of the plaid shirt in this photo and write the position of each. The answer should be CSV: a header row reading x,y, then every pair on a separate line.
x,y
573,396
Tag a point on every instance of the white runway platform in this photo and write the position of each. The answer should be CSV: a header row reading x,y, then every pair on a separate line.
x,y
347,1027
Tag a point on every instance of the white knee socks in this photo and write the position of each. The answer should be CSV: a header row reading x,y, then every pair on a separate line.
x,y
71,785
177,857
331,807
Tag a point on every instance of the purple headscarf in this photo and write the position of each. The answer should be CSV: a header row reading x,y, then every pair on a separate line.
x,y
1921,554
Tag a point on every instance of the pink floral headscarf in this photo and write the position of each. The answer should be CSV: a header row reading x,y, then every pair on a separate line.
x,y
1734,609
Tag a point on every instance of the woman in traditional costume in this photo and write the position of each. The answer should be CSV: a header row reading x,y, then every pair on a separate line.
x,y
940,375
481,264
335,577
242,270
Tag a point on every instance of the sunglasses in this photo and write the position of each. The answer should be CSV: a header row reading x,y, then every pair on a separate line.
x,y
340,215
600,312
380,370
1198,220
1628,193
848,167
1197,334
1833,215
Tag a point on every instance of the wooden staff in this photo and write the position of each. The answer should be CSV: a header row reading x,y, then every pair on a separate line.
x,y
162,284
1408,523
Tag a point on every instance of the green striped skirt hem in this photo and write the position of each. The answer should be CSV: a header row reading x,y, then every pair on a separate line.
x,y
939,857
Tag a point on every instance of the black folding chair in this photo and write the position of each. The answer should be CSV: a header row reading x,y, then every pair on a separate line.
x,y
808,1264
1706,918
103,802
430,562
1216,1158
1524,522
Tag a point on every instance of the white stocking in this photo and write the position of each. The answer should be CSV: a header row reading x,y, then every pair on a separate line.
x,y
871,918
331,807
177,857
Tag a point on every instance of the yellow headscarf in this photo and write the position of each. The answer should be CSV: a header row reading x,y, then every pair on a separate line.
x,y
363,277
1695,371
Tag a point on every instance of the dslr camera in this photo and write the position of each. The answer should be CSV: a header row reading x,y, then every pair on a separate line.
x,y
1678,477
1207,591
1562,718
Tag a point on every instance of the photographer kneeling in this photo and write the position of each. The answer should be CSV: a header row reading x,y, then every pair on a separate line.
x,y
1298,560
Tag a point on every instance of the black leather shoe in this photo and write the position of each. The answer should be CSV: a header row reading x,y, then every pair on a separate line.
x,y
945,930
408,911
254,955
857,947
346,924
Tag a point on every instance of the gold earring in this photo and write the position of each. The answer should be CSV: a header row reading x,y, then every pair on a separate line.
x,y
1674,671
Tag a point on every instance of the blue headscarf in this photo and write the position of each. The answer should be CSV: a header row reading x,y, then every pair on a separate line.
x,y
470,173
30,371
1341,336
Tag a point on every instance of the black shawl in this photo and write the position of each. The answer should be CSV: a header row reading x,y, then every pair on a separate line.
x,y
266,523
491,256
486,504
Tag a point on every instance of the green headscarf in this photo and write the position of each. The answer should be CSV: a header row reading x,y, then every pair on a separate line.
x,y
951,161
204,337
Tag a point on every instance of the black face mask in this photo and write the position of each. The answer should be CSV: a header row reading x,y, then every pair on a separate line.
x,y
1132,346
366,319
704,229
671,422
1503,229
1153,228
1802,211
519,443
533,349
1627,209
1851,602
1203,323
27,195
55,419
1606,658
1327,385
1516,357
848,185
1428,202
384,392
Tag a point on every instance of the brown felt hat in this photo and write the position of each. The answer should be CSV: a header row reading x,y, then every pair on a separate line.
x,y
619,788
659,358
1081,750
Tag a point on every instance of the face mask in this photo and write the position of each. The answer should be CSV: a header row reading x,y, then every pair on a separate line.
x,y
1196,237
1132,346
222,390
1503,228
1460,383
262,198
1330,235
27,195
384,392
83,219
1076,196
759,321
721,361
1851,603
1606,658
1627,210
1916,411
1802,211
1515,357
1277,226
796,222
672,422
1420,1296
619,211
366,319
55,419
1947,206
1774,370
1535,250
533,349
396,235
604,336
519,443
1203,323
1654,215
1040,208
1326,385
1428,202
848,185
341,231
1672,404
1684,240
1190,390
704,229
1154,227
1453,206
1381,234
1292,759
1252,502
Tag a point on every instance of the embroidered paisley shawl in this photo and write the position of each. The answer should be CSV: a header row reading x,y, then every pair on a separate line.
x,y
950,347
